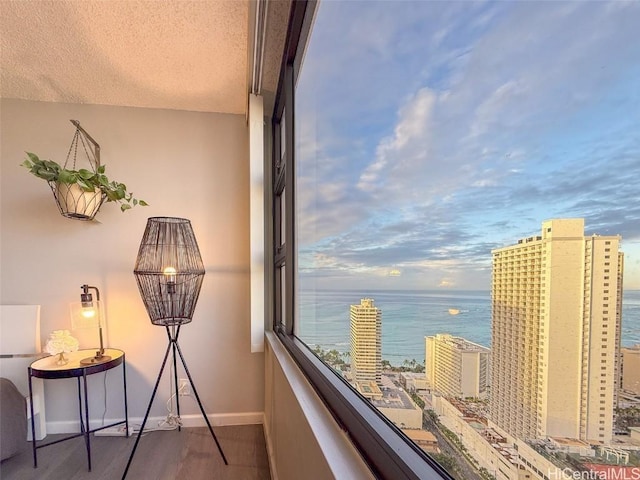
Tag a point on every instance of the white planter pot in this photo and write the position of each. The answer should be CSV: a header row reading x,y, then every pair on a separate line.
x,y
74,202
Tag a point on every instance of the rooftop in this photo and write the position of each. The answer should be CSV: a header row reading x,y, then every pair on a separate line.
x,y
420,435
461,343
394,398
569,442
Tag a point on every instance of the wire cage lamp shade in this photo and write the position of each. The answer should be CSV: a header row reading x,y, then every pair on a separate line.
x,y
169,270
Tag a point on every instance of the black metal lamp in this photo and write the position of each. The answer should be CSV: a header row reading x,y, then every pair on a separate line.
x,y
88,314
169,272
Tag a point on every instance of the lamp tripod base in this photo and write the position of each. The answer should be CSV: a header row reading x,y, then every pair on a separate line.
x,y
173,347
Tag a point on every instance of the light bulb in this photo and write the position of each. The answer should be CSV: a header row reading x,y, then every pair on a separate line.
x,y
170,273
88,309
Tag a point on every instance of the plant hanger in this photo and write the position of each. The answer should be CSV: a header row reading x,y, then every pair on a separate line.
x,y
76,200
92,155
79,192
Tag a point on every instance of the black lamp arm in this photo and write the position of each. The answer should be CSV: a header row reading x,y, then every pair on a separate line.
x,y
85,289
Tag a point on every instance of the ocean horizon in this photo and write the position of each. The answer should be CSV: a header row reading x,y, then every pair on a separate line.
x,y
410,315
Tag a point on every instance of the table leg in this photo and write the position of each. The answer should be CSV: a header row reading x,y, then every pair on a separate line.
x,y
33,422
124,381
82,429
87,435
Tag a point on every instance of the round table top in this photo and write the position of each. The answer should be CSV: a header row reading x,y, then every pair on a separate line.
x,y
47,367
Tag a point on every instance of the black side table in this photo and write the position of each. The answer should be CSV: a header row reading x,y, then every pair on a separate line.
x,y
47,368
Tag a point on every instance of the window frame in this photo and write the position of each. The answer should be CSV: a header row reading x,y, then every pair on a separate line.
x,y
388,452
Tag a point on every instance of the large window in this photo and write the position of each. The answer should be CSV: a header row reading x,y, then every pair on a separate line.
x,y
454,185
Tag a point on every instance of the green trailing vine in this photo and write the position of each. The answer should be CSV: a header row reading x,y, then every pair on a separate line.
x,y
87,180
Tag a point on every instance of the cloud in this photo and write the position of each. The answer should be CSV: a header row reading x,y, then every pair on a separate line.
x,y
409,143
455,130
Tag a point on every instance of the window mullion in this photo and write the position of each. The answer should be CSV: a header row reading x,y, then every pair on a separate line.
x,y
289,251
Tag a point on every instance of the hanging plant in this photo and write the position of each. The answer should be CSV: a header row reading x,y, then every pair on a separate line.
x,y
96,183
80,193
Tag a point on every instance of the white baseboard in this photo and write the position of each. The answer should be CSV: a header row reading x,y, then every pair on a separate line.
x,y
191,420
222,419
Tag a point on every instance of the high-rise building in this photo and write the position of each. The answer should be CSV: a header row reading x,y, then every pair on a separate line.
x,y
456,367
556,317
366,342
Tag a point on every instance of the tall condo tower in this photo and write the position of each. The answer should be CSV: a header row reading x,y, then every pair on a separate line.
x,y
556,322
366,342
456,367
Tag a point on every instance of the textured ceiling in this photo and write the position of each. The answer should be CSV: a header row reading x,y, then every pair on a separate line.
x,y
174,54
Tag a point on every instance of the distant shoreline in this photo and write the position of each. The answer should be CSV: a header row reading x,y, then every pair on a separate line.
x,y
414,290
410,315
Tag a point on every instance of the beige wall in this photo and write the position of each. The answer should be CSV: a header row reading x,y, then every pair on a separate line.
x,y
303,439
186,164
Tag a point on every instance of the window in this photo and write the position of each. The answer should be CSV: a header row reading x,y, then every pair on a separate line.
x,y
388,452
395,159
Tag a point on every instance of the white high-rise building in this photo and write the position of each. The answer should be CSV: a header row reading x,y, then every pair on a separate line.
x,y
456,367
556,317
366,342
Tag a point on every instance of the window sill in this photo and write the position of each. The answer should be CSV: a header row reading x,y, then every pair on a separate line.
x,y
335,449
383,447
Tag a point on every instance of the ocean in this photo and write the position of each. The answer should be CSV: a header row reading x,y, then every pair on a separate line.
x,y
408,316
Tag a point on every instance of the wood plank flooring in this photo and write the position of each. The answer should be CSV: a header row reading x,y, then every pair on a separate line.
x,y
164,455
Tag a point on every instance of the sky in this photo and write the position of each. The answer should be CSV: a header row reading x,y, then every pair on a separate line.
x,y
429,133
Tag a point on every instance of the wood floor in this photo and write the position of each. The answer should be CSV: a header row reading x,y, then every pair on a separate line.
x,y
165,455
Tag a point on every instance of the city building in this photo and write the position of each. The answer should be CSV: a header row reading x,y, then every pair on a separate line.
x,y
631,369
424,439
506,457
366,342
413,382
397,406
456,367
556,317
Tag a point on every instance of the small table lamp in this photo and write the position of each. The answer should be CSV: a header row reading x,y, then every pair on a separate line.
x,y
87,313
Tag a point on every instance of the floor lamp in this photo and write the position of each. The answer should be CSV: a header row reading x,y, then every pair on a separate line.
x,y
169,273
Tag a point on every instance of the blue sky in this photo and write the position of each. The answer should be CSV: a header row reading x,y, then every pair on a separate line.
x,y
429,133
